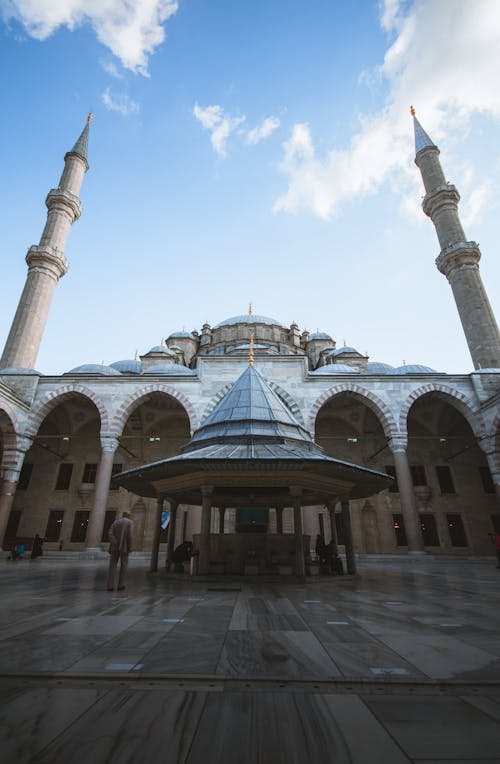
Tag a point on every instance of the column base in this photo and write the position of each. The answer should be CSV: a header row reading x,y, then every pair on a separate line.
x,y
93,553
417,553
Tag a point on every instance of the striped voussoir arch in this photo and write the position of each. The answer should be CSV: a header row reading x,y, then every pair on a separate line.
x,y
458,399
130,404
376,404
49,401
8,422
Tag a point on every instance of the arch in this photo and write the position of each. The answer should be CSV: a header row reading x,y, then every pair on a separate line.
x,y
457,399
8,426
133,401
376,404
52,399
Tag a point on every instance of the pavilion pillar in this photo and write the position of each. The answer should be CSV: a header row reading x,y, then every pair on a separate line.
x,y
109,445
172,526
300,567
348,540
222,517
12,462
407,495
206,511
330,505
279,520
153,565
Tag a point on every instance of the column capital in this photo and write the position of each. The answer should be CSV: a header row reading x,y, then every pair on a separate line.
x,y
207,490
487,444
109,442
398,443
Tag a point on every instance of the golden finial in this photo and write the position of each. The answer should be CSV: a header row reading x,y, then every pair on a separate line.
x,y
250,350
135,356
250,311
412,111
90,118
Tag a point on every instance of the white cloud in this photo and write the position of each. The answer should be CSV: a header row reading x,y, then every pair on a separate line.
x,y
131,30
111,68
120,103
220,125
444,58
263,130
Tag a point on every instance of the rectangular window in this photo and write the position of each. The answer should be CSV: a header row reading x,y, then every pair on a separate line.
x,y
418,474
64,477
486,480
391,470
80,524
445,479
456,530
89,473
109,519
13,524
116,469
54,525
399,530
25,476
429,530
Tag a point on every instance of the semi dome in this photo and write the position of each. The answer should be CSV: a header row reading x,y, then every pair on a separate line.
x,y
336,368
129,366
169,368
376,367
160,349
248,319
19,371
94,368
414,368
319,336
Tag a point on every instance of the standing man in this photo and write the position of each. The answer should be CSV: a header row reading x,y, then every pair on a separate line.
x,y
120,546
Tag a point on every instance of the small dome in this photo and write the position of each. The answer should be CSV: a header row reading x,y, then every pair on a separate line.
x,y
94,368
127,367
248,319
339,351
169,368
336,368
19,371
375,367
180,336
160,349
414,368
315,336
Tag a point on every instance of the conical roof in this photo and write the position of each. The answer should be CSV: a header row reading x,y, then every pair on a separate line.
x,y
422,140
249,410
81,147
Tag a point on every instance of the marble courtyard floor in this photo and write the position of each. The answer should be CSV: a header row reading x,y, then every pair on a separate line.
x,y
400,664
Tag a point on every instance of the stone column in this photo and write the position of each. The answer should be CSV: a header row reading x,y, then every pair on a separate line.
x,y
349,543
407,495
330,505
300,567
279,520
222,516
171,532
109,444
206,510
15,449
153,566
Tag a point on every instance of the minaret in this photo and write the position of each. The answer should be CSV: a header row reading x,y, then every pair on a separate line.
x,y
46,262
459,258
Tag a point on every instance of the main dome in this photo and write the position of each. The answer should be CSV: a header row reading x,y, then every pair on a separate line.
x,y
248,319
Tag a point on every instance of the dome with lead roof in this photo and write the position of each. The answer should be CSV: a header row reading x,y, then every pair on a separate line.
x,y
375,367
169,368
127,366
414,368
248,319
95,368
161,349
336,368
315,336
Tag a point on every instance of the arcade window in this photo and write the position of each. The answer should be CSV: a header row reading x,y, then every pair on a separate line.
x,y
391,470
13,524
89,473
486,480
54,525
64,477
429,530
80,523
445,479
109,519
456,530
25,476
116,469
399,530
418,474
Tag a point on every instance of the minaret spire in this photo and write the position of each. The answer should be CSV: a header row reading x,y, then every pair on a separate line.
x,y
459,258
46,261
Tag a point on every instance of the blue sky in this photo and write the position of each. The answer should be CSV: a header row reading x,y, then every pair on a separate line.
x,y
245,152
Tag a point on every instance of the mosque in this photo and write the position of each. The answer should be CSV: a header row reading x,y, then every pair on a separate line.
x,y
248,437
